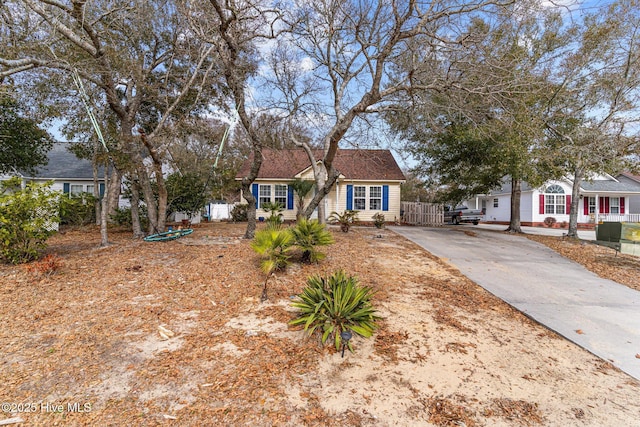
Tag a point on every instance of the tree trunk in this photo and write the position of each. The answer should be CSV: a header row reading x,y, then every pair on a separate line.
x,y
247,181
96,183
323,189
104,238
575,198
113,190
514,222
135,211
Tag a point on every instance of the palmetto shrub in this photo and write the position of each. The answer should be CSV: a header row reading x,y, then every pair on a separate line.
x,y
337,303
308,234
345,219
274,246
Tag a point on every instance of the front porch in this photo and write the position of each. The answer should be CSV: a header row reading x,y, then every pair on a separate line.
x,y
618,217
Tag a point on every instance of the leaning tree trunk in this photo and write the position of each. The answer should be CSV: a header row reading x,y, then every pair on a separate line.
x,y
575,194
514,222
247,181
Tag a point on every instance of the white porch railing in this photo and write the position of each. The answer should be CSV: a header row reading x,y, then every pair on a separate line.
x,y
619,217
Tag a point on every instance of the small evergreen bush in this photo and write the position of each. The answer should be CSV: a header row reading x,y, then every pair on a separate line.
x,y
77,210
378,220
239,212
307,234
345,219
28,217
334,304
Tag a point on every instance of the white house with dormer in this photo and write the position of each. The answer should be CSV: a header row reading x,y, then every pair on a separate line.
x,y
602,198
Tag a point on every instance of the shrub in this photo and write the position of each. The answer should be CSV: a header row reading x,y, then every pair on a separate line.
x,y
549,221
378,220
346,219
77,210
46,266
309,234
334,304
122,217
239,212
275,248
28,217
275,214
274,245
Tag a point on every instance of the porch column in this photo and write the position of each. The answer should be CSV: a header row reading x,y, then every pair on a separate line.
x,y
597,220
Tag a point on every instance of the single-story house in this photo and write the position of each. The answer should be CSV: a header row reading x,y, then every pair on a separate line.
x,y
369,182
70,175
602,198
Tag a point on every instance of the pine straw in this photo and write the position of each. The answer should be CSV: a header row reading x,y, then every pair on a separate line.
x,y
87,332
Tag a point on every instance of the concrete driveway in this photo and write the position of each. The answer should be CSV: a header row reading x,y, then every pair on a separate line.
x,y
553,290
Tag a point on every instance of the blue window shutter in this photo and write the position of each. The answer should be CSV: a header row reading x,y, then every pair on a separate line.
x,y
349,197
66,188
101,190
385,197
289,197
254,191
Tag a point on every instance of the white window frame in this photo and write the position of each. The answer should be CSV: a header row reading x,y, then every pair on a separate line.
x,y
264,196
614,208
280,194
592,205
90,188
73,189
496,202
359,197
554,200
375,198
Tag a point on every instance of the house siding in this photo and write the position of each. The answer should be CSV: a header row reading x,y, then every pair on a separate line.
x,y
537,217
393,212
530,206
500,213
336,201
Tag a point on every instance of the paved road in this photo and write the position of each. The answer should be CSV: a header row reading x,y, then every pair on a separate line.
x,y
556,292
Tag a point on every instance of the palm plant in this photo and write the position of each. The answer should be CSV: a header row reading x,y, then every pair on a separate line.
x,y
345,219
335,304
275,247
307,234
275,213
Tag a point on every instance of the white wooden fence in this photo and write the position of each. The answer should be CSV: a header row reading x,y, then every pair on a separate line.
x,y
417,213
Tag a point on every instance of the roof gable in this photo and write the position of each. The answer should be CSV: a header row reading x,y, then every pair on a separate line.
x,y
63,164
374,165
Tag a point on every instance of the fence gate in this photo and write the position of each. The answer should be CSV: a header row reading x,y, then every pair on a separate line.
x,y
417,213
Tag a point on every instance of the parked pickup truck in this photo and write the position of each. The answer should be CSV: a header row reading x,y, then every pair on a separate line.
x,y
462,214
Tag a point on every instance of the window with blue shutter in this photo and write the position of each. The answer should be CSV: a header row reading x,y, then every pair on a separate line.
x,y
66,188
289,197
385,197
101,189
349,197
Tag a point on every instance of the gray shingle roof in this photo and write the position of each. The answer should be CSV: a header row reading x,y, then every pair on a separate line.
x,y
624,184
63,164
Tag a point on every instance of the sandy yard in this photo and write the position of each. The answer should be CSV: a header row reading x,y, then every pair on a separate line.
x,y
173,333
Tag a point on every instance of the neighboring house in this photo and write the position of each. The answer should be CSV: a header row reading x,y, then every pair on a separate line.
x,y
369,182
602,198
69,174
